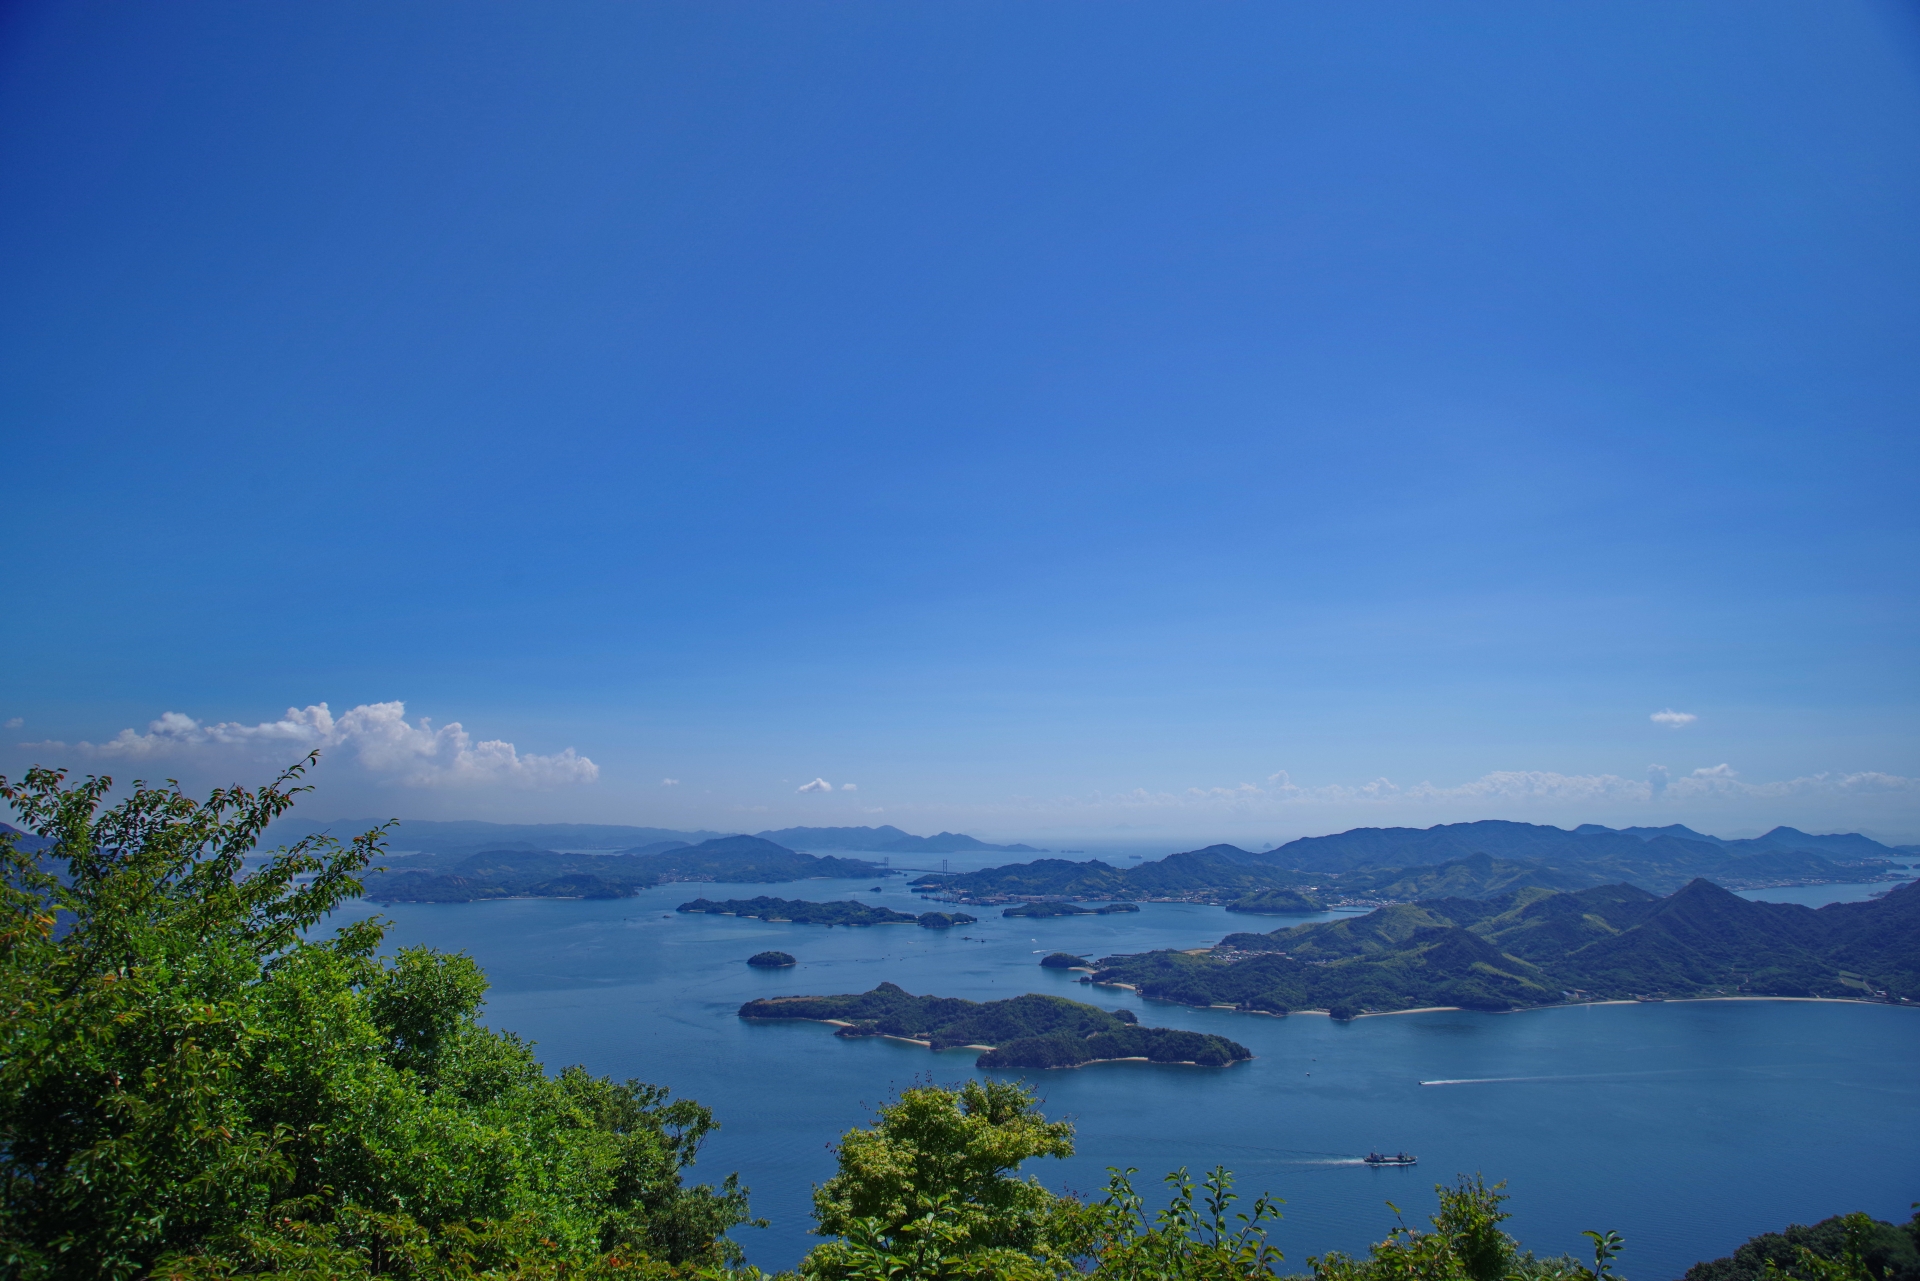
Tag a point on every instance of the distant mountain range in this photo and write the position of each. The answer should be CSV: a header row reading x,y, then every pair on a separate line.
x,y
1467,860
1537,946
513,873
471,836
886,839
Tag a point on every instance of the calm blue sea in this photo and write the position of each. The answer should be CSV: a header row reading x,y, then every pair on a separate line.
x,y
1688,1126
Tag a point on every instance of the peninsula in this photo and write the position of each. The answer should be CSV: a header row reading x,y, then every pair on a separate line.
x,y
1031,1031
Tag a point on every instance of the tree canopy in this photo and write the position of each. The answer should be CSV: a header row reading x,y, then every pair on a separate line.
x,y
191,1086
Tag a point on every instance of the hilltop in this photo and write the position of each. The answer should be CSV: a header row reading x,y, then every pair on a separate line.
x,y
1538,946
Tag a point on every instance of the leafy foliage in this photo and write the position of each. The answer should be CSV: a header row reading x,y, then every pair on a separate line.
x,y
928,1191
1466,1243
190,1086
1197,1237
1807,1252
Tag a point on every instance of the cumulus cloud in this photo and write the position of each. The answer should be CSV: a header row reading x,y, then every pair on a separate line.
x,y
378,735
1672,719
669,782
817,785
15,722
849,787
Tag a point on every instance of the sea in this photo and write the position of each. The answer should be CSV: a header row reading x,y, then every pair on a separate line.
x,y
1687,1126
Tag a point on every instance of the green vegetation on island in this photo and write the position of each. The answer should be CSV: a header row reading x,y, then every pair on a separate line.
x,y
771,960
1537,947
944,920
1031,1031
1062,961
798,912
198,1085
1056,908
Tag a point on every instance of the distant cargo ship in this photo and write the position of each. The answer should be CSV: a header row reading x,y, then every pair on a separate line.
x,y
1397,1158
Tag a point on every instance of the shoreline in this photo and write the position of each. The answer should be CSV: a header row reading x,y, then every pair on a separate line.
x,y
1524,1009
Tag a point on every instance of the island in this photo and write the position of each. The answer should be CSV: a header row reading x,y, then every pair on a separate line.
x,y
771,960
1068,909
799,912
944,920
1031,1031
1063,961
1536,947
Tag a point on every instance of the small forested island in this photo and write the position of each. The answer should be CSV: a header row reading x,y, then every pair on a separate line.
x,y
771,960
1031,1031
944,920
1068,909
1062,961
1541,947
844,912
799,912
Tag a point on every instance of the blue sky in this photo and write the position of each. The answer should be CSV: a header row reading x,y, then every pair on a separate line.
x,y
1119,421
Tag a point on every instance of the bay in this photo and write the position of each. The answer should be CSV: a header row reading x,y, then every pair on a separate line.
x,y
1688,1126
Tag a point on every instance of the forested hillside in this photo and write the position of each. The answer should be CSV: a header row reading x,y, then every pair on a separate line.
x,y
1537,947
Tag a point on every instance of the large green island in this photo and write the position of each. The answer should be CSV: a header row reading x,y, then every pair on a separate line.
x,y
1538,946
1031,1031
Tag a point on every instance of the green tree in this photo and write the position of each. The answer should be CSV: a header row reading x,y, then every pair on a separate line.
x,y
1466,1244
190,1086
928,1191
1196,1237
1851,1265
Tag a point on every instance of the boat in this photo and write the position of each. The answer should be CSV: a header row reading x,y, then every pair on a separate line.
x,y
1395,1158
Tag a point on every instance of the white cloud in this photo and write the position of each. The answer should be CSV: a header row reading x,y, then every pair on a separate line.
x,y
1672,719
669,782
849,787
15,722
379,736
817,785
